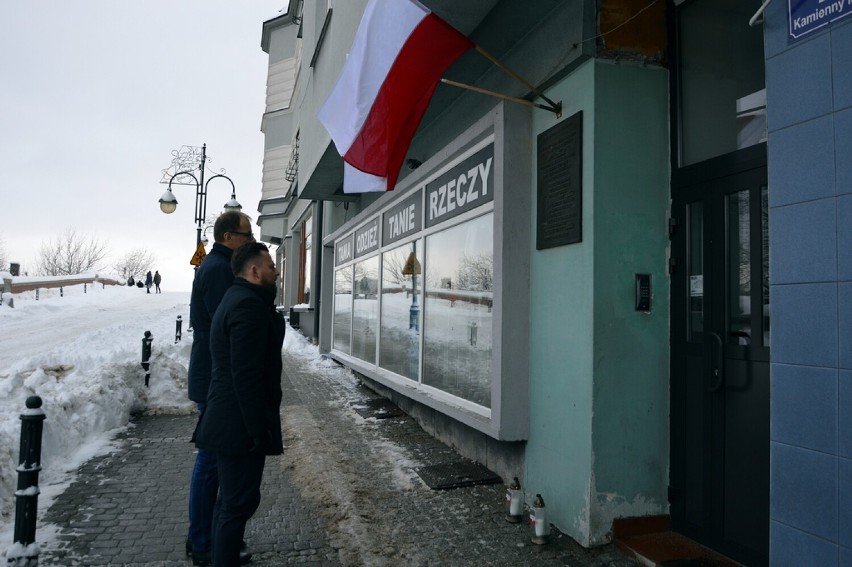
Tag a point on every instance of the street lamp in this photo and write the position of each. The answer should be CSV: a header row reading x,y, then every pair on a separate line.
x,y
168,202
412,268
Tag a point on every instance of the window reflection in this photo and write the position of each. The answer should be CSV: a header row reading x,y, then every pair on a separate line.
x,y
342,309
459,281
305,275
722,94
365,312
739,269
401,303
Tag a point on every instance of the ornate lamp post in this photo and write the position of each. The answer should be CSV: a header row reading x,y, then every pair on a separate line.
x,y
412,268
168,202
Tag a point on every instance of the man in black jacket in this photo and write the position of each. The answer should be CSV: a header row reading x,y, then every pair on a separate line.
x,y
241,422
212,280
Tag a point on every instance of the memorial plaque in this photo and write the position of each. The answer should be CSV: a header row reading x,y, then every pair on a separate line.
x,y
560,184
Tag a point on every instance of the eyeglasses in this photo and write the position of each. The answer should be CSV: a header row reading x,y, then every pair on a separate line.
x,y
246,234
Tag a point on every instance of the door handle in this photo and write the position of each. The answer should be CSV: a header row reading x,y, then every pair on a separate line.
x,y
718,373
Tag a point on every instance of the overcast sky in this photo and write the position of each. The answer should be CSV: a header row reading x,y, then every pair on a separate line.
x,y
94,97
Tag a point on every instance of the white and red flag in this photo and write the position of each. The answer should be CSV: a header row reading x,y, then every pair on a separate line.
x,y
400,52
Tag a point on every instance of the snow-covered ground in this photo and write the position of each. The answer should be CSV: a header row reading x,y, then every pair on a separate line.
x,y
81,353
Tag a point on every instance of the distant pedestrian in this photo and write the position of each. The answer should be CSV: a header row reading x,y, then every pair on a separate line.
x,y
212,280
157,280
148,281
131,282
241,423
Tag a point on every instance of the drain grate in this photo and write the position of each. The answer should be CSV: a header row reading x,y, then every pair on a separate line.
x,y
455,475
379,408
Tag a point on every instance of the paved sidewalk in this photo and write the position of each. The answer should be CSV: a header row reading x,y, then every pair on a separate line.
x,y
343,493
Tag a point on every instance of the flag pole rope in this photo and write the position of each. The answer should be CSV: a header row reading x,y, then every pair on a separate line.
x,y
555,107
519,100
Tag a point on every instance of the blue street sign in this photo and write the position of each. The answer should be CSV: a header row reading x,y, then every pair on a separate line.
x,y
807,16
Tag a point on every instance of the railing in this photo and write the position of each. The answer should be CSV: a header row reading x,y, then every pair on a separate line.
x,y
17,284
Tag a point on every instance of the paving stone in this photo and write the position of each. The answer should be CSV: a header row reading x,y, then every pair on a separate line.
x,y
338,495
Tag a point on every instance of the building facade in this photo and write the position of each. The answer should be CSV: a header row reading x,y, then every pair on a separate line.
x,y
581,299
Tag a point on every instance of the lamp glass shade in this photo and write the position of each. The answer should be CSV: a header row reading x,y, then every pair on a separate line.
x,y
233,205
168,202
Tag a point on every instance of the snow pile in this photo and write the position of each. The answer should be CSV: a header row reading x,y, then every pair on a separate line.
x,y
81,352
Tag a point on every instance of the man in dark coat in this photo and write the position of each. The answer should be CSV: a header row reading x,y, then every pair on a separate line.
x,y
241,422
148,281
212,280
157,279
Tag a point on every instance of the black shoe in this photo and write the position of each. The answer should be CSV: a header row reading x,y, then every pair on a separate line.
x,y
206,558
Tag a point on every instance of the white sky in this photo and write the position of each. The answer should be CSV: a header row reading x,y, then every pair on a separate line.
x,y
95,95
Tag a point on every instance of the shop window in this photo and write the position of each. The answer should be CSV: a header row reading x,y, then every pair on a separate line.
x,y
401,304
342,325
457,317
365,310
305,264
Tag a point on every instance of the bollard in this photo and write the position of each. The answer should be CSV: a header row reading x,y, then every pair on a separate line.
x,y
24,552
84,288
61,294
178,325
146,355
36,294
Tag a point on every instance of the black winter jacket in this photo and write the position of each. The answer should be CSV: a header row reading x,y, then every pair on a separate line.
x,y
212,280
243,404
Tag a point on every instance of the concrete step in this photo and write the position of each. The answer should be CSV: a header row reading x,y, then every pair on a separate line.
x,y
651,542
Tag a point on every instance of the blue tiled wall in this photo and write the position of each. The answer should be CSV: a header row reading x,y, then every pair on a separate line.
x,y
809,105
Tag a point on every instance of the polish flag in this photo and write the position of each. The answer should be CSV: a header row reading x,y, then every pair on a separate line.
x,y
400,51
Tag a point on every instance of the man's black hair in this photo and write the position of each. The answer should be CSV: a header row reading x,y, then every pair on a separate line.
x,y
227,222
245,255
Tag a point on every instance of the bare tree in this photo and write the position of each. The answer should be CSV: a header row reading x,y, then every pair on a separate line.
x,y
70,253
476,272
393,263
135,263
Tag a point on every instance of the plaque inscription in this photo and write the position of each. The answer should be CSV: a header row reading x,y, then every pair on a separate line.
x,y
560,184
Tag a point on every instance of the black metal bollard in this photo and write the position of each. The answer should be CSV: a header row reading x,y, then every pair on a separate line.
x,y
24,552
61,294
36,294
84,288
146,355
178,325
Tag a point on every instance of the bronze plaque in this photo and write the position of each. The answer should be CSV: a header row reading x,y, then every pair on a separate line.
x,y
560,184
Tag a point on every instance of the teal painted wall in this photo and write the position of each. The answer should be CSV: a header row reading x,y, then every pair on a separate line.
x,y
631,386
598,443
559,449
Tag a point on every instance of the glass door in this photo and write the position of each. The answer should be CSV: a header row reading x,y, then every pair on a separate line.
x,y
720,365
